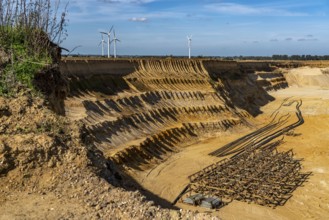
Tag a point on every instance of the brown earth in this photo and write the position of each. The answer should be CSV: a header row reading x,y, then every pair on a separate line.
x,y
311,143
48,173
146,125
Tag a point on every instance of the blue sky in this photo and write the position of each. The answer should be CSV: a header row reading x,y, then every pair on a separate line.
x,y
219,27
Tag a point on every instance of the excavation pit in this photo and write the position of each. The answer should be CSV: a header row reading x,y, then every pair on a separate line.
x,y
160,121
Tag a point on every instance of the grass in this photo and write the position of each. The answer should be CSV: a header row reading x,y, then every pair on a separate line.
x,y
25,62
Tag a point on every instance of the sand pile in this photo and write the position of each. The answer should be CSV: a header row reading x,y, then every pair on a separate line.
x,y
308,77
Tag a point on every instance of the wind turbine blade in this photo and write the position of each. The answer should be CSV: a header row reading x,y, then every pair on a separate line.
x,y
111,29
99,43
103,33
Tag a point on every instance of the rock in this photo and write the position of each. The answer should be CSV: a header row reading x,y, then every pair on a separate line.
x,y
150,203
51,163
98,207
4,108
3,147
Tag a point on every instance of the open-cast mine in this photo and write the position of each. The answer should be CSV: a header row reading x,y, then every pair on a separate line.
x,y
249,138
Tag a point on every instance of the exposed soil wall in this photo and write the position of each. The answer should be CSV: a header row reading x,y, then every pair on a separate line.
x,y
88,68
139,112
134,115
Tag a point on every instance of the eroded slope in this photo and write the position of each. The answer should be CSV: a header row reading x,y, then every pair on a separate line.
x,y
140,112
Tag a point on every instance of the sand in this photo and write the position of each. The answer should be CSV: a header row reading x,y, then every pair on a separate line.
x,y
159,151
311,201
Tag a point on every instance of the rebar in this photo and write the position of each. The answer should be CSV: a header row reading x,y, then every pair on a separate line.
x,y
262,176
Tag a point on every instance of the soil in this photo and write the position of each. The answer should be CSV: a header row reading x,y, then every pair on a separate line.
x,y
48,173
309,142
138,141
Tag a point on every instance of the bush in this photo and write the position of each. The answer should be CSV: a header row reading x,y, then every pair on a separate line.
x,y
30,32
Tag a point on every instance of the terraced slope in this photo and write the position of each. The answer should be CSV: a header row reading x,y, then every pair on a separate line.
x,y
139,112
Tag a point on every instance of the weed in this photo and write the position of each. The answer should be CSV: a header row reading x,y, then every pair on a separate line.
x,y
27,32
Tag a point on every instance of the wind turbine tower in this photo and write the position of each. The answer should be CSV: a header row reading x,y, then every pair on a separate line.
x,y
102,43
189,42
108,41
115,39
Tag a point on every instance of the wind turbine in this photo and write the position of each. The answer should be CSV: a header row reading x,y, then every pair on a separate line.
x,y
115,39
189,40
108,41
102,43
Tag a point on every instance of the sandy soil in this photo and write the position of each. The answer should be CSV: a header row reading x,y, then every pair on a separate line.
x,y
308,77
46,172
50,173
160,153
311,143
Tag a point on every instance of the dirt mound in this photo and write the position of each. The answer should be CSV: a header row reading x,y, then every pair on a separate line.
x,y
47,171
308,77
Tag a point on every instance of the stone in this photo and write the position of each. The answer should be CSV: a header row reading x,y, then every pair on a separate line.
x,y
3,147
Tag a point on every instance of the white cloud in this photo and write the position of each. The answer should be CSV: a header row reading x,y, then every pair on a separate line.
x,y
240,9
232,8
142,19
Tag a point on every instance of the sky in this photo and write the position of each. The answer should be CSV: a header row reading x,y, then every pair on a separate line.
x,y
218,27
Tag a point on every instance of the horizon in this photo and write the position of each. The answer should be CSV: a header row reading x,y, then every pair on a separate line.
x,y
270,57
219,28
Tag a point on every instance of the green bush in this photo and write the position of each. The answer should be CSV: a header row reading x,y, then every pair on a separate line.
x,y
29,31
25,63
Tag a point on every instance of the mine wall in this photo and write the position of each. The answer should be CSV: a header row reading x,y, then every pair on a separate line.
x,y
139,112
89,68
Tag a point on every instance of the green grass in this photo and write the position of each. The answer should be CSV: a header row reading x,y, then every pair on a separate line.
x,y
26,61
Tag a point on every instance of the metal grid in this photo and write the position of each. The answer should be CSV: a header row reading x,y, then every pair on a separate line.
x,y
265,177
